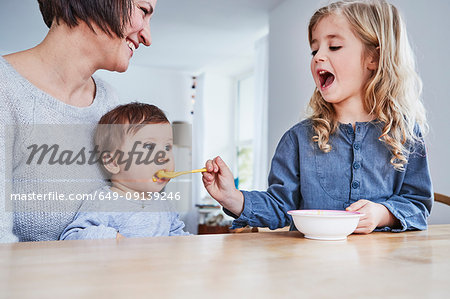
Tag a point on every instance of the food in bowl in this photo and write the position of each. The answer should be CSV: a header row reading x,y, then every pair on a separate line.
x,y
325,224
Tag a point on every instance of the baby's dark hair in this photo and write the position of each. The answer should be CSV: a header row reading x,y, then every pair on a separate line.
x,y
122,120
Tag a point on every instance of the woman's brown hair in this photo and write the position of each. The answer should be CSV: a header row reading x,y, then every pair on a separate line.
x,y
111,16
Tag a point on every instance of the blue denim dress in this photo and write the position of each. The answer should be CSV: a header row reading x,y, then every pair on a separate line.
x,y
358,167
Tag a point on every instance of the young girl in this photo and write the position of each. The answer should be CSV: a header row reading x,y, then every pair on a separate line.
x,y
362,148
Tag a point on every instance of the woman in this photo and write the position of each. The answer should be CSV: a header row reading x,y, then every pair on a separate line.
x,y
53,83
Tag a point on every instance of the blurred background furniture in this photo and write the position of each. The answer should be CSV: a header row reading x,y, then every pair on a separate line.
x,y
442,198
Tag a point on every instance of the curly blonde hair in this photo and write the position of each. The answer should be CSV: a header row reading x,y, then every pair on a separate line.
x,y
393,92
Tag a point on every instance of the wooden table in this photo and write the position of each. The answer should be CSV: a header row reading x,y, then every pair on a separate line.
x,y
253,265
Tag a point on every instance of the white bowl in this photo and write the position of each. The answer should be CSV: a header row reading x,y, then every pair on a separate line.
x,y
325,224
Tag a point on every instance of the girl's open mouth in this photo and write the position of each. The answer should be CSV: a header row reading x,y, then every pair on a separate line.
x,y
326,78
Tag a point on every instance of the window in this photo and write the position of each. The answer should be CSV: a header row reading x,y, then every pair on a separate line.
x,y
245,131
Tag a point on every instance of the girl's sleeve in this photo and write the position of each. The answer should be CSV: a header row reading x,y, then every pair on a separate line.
x,y
176,227
269,208
88,225
411,205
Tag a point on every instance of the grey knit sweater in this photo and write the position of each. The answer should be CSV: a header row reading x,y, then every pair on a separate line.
x,y
31,191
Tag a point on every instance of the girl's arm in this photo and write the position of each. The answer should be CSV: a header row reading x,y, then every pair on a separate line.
x,y
263,208
219,182
411,205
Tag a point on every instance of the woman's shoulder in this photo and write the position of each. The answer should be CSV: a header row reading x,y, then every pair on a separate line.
x,y
8,81
103,85
105,93
14,102
5,68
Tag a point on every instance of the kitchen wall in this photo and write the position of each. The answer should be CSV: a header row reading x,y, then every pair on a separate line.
x,y
169,90
291,85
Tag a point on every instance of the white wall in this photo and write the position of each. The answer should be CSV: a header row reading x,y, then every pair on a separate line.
x,y
169,90
291,85
219,97
290,81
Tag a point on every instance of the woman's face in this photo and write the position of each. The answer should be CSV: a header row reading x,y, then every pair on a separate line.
x,y
118,51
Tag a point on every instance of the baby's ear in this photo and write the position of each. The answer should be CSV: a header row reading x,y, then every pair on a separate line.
x,y
109,163
373,59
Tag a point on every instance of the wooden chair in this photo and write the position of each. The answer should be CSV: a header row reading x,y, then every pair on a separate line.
x,y
442,198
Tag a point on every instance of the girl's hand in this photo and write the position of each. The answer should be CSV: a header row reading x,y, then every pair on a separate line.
x,y
375,215
219,182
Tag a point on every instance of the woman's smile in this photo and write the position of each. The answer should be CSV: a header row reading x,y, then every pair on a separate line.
x,y
131,45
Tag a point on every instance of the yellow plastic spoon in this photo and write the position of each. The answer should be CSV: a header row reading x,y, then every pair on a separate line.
x,y
172,174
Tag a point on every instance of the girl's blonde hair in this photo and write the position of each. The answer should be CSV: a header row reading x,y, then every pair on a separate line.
x,y
392,94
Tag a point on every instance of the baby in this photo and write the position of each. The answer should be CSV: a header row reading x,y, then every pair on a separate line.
x,y
134,141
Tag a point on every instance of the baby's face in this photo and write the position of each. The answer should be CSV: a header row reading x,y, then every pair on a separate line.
x,y
146,152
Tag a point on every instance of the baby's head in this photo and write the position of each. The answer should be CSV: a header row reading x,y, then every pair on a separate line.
x,y
361,52
135,141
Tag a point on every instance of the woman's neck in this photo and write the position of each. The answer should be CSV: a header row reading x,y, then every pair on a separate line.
x,y
62,65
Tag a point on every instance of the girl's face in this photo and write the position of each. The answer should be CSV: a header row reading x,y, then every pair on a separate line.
x,y
339,66
118,51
